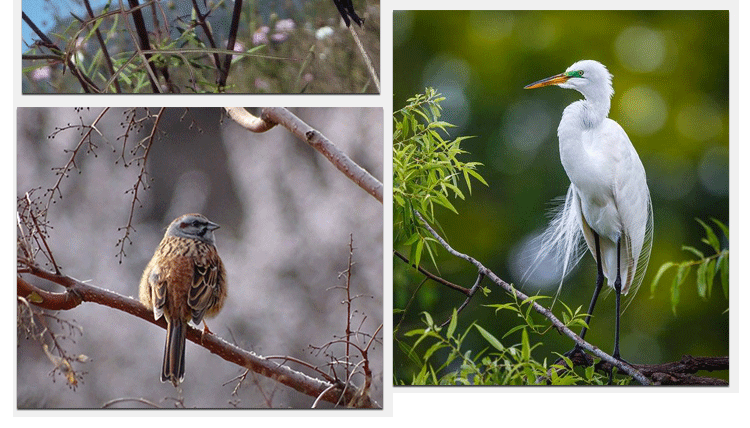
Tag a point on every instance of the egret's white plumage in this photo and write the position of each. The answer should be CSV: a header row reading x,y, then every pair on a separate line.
x,y
608,194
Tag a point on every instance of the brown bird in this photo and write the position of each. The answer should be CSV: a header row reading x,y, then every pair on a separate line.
x,y
185,280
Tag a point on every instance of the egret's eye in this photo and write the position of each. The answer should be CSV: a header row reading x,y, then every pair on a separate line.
x,y
580,73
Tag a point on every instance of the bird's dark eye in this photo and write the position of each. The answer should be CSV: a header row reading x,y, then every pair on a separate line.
x,y
580,73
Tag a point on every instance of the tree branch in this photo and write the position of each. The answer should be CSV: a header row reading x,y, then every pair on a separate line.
x,y
62,56
673,373
272,116
432,276
105,52
366,58
562,328
224,71
77,292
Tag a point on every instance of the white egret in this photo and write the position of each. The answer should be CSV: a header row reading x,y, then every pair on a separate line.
x,y
608,201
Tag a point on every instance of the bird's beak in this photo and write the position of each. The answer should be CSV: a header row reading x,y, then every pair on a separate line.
x,y
554,80
212,226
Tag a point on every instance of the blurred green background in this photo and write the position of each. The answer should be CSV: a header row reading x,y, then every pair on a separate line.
x,y
671,81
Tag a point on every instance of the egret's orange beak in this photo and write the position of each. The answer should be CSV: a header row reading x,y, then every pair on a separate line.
x,y
554,80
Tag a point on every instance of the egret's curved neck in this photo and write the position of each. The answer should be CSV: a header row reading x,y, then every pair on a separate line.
x,y
589,112
580,117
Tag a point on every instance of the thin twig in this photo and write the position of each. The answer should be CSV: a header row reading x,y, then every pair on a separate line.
x,y
366,58
473,290
105,53
86,83
430,275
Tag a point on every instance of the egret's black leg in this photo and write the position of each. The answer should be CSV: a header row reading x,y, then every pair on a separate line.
x,y
595,297
618,290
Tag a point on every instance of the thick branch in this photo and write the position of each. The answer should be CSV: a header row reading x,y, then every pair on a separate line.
x,y
675,373
272,116
77,292
224,71
539,309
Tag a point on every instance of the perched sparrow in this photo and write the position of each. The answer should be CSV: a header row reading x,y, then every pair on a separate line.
x,y
184,281
346,9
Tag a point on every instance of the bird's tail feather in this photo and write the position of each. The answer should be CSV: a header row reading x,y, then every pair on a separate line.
x,y
562,241
173,366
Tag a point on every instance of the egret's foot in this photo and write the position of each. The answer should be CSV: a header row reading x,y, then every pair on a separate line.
x,y
577,355
575,351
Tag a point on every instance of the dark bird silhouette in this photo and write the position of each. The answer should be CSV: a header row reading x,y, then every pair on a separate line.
x,y
346,9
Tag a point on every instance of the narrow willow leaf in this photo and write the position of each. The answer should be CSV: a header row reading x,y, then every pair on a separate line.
x,y
711,238
428,319
682,272
725,276
694,251
710,272
417,252
525,347
701,279
659,274
452,325
722,226
492,340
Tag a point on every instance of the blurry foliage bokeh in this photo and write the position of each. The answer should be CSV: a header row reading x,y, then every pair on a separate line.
x,y
671,81
297,46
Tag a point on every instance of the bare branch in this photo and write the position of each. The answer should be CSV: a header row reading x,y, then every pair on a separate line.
x,y
140,181
249,121
272,116
77,292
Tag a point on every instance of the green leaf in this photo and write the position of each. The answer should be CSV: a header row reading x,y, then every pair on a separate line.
x,y
722,226
682,271
710,272
525,347
503,306
701,279
434,348
694,251
725,275
589,372
452,324
513,330
492,340
658,276
711,238
428,319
